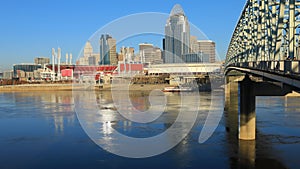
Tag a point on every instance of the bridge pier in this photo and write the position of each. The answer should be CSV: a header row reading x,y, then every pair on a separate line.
x,y
240,104
247,124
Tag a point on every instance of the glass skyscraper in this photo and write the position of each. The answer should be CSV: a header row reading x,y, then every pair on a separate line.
x,y
108,54
104,54
177,36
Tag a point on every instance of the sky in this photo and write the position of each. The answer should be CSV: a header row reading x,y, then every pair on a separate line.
x,y
31,28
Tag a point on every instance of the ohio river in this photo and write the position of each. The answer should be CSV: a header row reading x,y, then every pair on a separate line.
x,y
42,130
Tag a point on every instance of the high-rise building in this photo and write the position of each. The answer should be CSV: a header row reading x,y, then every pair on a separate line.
x,y
150,54
203,49
194,47
104,58
88,49
112,51
177,36
199,57
126,54
108,51
208,47
143,46
89,57
42,61
92,61
158,57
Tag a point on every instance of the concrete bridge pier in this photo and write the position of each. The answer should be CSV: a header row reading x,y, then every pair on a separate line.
x,y
247,124
248,90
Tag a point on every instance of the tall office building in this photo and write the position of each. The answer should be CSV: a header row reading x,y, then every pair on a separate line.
x,y
194,46
87,52
89,57
150,54
126,54
208,47
177,36
112,50
205,50
42,61
108,51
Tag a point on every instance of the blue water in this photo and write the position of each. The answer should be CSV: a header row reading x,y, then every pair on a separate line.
x,y
40,130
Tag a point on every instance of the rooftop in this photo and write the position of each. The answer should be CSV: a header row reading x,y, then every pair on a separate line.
x,y
26,64
177,10
205,41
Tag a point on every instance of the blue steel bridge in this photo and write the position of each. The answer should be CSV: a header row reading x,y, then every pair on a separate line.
x,y
263,58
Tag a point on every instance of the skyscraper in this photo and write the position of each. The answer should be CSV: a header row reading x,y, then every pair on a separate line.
x,y
108,53
150,54
112,51
126,54
89,57
42,61
208,47
194,44
177,36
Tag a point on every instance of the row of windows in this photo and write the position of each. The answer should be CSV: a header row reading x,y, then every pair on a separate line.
x,y
25,68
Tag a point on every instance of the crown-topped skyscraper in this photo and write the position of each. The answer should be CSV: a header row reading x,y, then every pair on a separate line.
x,y
177,36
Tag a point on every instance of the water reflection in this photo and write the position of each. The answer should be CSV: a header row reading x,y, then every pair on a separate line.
x,y
106,125
44,125
277,121
247,154
56,107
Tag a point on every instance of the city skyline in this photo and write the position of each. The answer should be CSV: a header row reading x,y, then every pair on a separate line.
x,y
64,26
150,84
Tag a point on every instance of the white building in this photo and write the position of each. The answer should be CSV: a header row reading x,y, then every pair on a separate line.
x,y
89,57
193,68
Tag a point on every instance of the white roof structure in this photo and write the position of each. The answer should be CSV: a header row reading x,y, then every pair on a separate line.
x,y
177,9
184,68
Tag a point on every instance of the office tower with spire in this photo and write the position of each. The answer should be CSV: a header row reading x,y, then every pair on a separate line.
x,y
177,36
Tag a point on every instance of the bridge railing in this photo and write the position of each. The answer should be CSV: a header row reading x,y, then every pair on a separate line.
x,y
267,33
281,67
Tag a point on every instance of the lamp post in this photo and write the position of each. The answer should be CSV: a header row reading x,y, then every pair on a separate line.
x,y
53,64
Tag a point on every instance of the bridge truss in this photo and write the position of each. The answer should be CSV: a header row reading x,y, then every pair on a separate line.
x,y
268,31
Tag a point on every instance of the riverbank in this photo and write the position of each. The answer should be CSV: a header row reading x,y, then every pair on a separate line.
x,y
70,87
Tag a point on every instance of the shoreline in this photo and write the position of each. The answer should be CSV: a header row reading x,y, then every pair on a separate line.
x,y
77,87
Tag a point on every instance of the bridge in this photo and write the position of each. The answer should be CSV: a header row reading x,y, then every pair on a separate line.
x,y
263,59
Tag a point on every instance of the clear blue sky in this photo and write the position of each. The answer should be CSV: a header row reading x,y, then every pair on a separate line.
x,y
30,28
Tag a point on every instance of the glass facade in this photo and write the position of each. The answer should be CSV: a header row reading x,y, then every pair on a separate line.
x,y
196,58
25,68
177,36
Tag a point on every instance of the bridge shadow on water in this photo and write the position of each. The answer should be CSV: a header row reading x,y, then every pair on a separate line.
x,y
254,154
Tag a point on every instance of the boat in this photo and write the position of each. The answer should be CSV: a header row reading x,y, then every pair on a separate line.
x,y
177,89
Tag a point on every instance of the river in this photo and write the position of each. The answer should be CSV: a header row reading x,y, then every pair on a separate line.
x,y
42,130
